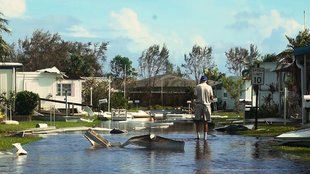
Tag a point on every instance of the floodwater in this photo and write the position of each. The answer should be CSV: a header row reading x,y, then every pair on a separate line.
x,y
222,153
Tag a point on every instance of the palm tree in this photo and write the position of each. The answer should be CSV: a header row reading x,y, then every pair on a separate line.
x,y
4,47
301,40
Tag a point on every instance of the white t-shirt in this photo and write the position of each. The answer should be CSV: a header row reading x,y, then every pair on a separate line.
x,y
203,93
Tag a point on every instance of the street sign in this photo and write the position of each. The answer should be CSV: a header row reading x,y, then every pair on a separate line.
x,y
258,76
103,101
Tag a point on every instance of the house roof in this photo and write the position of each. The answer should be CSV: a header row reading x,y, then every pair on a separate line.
x,y
10,65
52,70
284,66
301,51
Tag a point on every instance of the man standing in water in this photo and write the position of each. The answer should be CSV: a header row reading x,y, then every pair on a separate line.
x,y
204,95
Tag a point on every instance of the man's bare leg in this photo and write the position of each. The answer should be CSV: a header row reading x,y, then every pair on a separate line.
x,y
205,130
197,129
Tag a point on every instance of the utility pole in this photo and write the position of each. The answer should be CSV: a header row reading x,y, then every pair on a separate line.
x,y
305,20
125,69
109,102
91,96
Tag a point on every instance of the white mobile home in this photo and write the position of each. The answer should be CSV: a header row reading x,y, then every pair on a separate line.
x,y
8,77
51,84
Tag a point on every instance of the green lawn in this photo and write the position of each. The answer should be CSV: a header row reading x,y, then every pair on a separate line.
x,y
6,141
264,130
301,153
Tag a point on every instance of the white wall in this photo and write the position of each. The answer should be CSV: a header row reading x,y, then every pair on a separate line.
x,y
6,81
41,83
76,97
270,78
45,84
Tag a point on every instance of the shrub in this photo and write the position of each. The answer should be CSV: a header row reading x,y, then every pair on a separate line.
x,y
266,111
118,101
25,102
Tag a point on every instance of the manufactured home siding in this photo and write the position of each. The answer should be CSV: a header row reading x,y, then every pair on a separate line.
x,y
76,92
41,84
45,85
270,80
6,80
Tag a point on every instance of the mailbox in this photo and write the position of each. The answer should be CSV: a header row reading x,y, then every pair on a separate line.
x,y
306,101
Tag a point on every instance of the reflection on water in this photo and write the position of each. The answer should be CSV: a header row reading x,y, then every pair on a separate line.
x,y
71,153
202,156
202,150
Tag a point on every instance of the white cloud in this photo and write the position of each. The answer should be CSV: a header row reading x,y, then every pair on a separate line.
x,y
80,31
266,24
13,8
126,23
199,40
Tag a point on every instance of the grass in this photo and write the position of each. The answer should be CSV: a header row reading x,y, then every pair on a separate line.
x,y
229,114
264,130
268,130
301,153
7,141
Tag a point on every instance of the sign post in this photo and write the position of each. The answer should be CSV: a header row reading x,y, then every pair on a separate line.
x,y
258,78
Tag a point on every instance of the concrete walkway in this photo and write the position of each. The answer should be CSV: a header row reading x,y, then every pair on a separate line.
x,y
53,129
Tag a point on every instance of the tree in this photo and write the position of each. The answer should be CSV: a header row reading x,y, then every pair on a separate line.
x,y
121,66
122,71
78,67
170,70
93,55
233,87
178,72
269,58
214,74
240,59
301,40
44,50
152,62
196,61
100,90
4,47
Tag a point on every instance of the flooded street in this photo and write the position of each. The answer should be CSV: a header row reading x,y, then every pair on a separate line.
x,y
72,153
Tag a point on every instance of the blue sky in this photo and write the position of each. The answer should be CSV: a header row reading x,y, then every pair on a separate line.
x,y
131,26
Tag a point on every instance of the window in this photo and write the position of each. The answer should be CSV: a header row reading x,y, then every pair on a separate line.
x,y
62,88
225,94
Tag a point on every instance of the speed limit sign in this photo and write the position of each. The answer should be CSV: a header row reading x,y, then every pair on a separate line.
x,y
258,76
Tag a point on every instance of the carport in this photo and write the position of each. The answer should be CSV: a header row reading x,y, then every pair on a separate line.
x,y
302,57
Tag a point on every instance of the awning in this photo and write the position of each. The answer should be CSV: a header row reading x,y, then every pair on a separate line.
x,y
301,51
